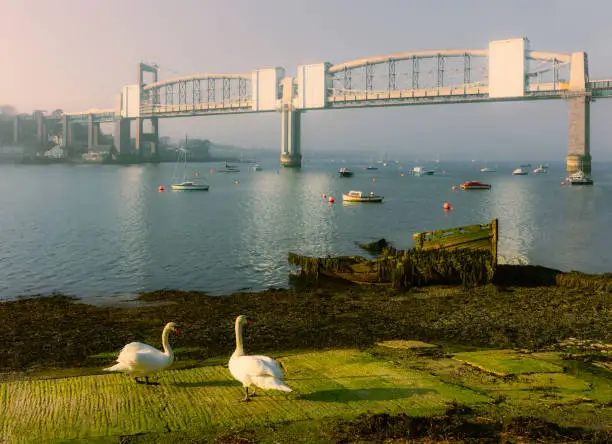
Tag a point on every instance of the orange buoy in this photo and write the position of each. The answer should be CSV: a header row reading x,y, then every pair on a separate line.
x,y
331,199
161,188
454,187
197,174
374,179
447,206
324,196
562,183
402,174
236,182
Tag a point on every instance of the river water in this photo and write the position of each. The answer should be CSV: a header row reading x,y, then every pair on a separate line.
x,y
105,231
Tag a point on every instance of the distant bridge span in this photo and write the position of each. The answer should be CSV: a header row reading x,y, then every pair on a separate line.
x,y
509,70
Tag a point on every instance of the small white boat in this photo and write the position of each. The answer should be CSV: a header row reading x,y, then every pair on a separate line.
x,y
255,167
579,178
358,196
228,168
488,170
540,170
519,172
190,186
421,171
345,172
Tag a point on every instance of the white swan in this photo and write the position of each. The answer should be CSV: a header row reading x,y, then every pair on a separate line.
x,y
260,371
140,359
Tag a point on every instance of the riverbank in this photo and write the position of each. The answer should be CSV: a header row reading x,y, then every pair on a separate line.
x,y
568,396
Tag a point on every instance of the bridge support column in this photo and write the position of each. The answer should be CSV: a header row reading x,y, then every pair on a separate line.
x,y
291,137
16,130
96,134
155,137
41,129
67,136
152,138
579,140
93,133
122,137
139,135
90,132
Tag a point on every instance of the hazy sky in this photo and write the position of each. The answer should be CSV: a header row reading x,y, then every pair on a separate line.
x,y
77,54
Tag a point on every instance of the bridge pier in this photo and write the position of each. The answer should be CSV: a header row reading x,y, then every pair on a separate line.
x,y
291,137
16,130
579,140
152,137
67,136
41,128
93,133
122,136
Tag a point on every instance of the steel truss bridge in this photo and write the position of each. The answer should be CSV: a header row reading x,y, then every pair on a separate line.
x,y
509,70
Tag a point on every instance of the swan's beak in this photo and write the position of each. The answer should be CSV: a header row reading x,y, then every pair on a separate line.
x,y
177,331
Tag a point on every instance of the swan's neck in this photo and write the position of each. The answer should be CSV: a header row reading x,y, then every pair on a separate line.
x,y
239,348
167,349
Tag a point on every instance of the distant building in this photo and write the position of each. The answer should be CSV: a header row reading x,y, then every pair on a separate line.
x,y
55,153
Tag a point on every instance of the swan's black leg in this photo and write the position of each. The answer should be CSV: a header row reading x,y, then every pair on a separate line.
x,y
150,383
252,393
246,395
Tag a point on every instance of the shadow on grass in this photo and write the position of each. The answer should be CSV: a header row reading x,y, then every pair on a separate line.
x,y
224,383
372,394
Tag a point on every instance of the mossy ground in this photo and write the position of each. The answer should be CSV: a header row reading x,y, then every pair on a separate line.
x,y
348,388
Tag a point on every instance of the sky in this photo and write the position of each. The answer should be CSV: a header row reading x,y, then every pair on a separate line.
x,y
76,55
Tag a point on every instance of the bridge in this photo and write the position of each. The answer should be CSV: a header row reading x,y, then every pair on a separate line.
x,y
508,70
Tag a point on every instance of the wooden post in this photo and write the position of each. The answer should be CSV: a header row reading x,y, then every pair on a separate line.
x,y
494,241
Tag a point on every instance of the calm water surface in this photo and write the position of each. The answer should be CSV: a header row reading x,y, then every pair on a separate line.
x,y
106,231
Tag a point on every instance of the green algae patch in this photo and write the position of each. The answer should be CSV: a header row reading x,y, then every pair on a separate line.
x,y
341,383
506,362
405,344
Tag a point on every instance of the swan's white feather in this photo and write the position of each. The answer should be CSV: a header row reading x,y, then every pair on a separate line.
x,y
261,371
141,359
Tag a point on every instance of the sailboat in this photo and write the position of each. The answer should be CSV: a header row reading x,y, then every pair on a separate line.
x,y
487,169
186,185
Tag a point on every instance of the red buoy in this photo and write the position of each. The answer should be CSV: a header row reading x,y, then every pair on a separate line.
x,y
331,199
447,206
161,188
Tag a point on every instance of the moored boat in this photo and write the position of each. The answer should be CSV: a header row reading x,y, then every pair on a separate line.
x,y
228,168
190,186
579,178
358,196
345,172
421,171
474,185
519,172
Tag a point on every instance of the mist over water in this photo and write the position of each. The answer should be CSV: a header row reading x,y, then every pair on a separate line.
x,y
106,231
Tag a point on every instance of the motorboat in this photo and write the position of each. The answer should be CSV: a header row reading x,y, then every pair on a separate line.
x,y
371,167
541,169
579,178
228,168
345,172
488,170
358,196
190,186
255,167
519,172
474,185
421,171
